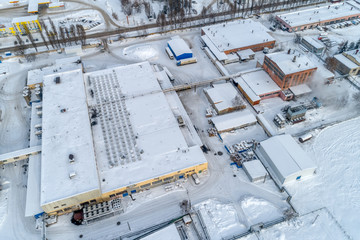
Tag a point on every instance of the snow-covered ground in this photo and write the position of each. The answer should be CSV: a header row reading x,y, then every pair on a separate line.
x,y
336,184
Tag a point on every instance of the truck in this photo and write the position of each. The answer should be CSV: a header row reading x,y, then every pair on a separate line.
x,y
186,61
180,121
305,137
196,179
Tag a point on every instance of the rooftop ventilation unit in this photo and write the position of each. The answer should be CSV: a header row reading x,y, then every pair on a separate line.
x,y
71,158
72,175
57,80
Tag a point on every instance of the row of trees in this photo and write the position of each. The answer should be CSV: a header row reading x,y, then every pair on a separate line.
x,y
53,36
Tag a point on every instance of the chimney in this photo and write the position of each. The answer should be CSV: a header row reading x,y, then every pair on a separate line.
x,y
306,63
289,51
294,59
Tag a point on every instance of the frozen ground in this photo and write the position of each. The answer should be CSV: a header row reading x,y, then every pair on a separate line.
x,y
336,152
318,225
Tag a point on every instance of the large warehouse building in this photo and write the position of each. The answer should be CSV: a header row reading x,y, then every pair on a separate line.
x,y
226,38
109,134
310,18
285,159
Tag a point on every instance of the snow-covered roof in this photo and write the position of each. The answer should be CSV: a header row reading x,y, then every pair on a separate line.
x,y
346,61
141,139
286,155
354,55
255,168
313,42
218,54
25,19
233,120
179,46
286,63
318,14
300,89
259,82
20,152
222,95
61,65
237,34
32,206
66,130
245,54
167,233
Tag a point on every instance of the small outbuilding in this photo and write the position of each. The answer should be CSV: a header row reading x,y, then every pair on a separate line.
x,y
286,160
224,98
233,121
255,170
179,48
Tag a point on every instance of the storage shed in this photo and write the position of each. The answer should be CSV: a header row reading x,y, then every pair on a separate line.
x,y
179,48
286,159
255,170
232,121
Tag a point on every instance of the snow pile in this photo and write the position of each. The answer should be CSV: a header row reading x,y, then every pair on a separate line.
x,y
259,210
220,219
141,52
336,153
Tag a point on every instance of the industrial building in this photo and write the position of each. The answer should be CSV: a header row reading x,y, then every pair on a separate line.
x,y
225,38
233,121
34,5
348,62
313,45
289,68
179,48
255,170
106,135
324,15
224,98
285,160
256,86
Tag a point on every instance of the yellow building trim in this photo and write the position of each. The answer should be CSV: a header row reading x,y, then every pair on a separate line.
x,y
74,202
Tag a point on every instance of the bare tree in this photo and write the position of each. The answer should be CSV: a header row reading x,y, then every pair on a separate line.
x,y
29,35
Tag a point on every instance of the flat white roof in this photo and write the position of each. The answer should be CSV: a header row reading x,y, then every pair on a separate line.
x,y
259,82
20,152
167,233
218,54
61,65
66,130
255,168
286,155
318,14
237,34
223,96
286,64
25,19
344,60
300,89
32,206
233,120
137,136
313,42
33,6
179,46
245,54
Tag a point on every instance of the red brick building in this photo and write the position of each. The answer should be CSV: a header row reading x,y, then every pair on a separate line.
x,y
319,16
288,68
